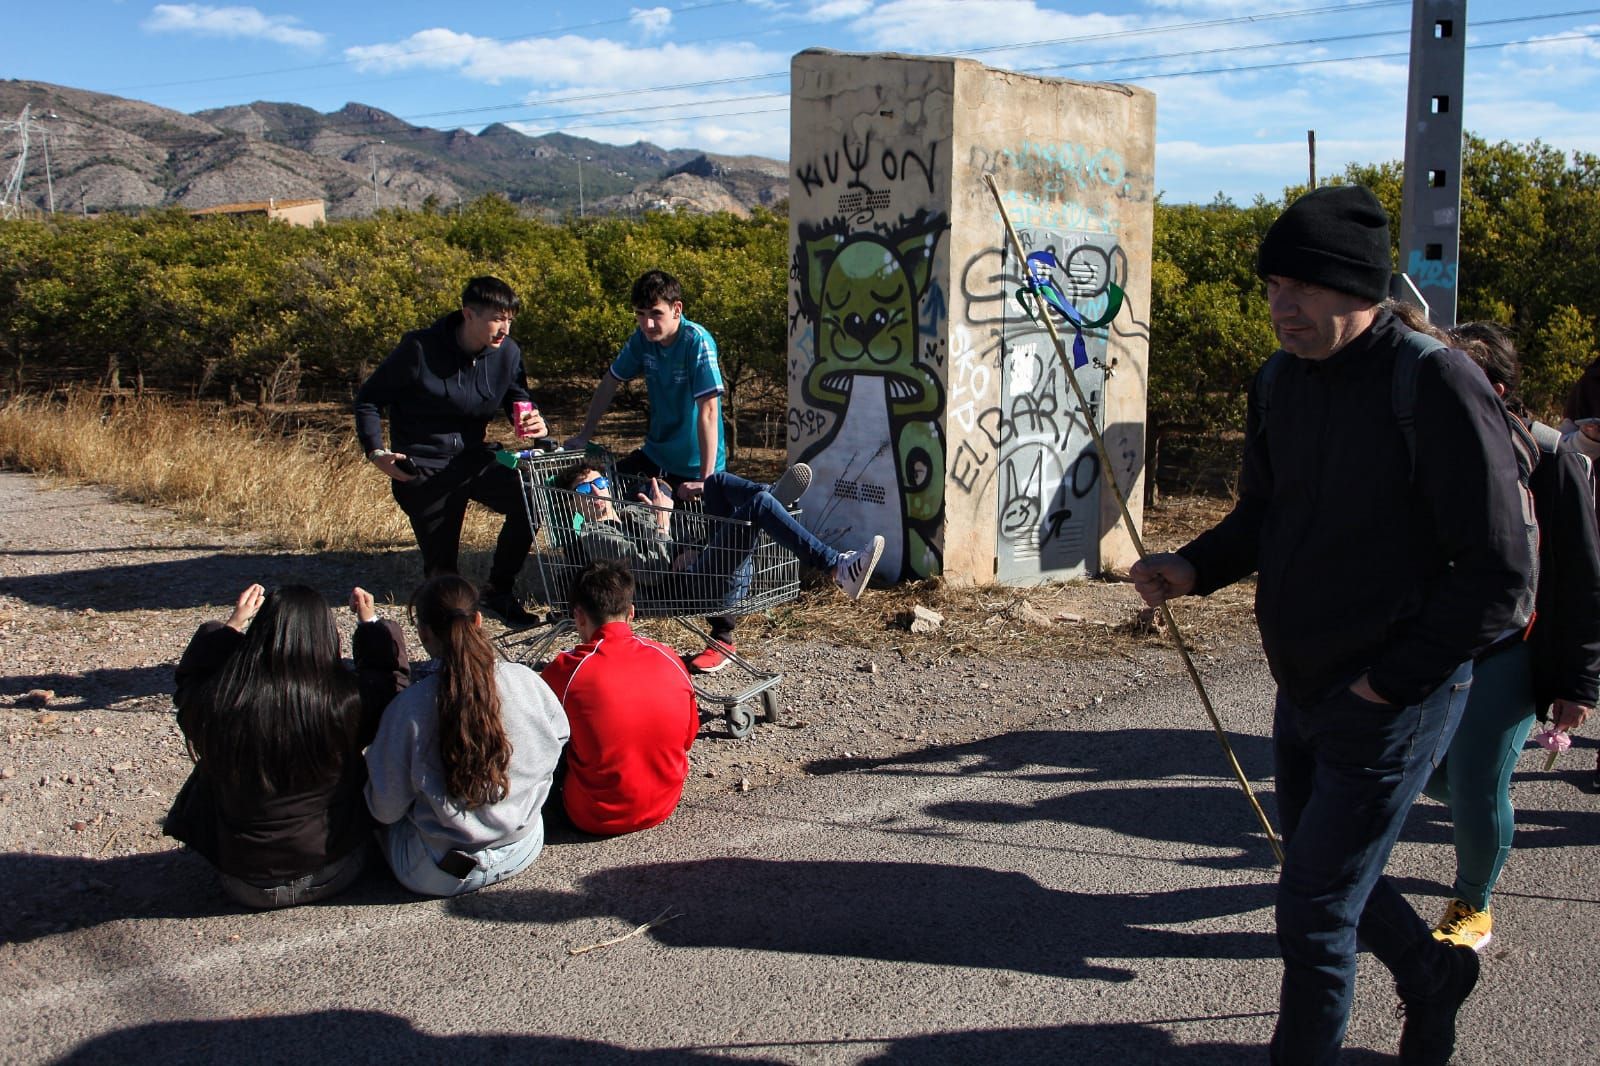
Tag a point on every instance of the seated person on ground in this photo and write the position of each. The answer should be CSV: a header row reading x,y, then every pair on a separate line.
x,y
631,709
640,535
463,759
276,724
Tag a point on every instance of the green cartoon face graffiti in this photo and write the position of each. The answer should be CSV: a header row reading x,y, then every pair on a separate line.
x,y
866,294
862,291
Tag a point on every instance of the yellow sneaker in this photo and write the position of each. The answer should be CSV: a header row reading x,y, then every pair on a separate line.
x,y
1465,925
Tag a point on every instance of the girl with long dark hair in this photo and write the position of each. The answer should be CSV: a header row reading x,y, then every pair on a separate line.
x,y
276,722
463,759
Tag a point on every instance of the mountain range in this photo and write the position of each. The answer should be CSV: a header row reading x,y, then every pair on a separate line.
x,y
91,152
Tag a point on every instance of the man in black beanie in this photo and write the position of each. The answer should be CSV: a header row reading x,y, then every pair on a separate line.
x,y
1385,562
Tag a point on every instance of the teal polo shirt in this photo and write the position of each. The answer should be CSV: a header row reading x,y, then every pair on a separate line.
x,y
677,376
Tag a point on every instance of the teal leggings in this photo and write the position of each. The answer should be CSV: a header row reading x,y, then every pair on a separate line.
x,y
1474,780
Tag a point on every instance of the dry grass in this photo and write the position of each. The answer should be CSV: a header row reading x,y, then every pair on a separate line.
x,y
296,488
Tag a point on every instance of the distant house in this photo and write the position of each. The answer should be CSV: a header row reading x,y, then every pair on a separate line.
x,y
294,212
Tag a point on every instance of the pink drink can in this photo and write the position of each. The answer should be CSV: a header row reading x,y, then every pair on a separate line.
x,y
519,409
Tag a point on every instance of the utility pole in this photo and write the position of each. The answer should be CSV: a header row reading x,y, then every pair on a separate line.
x,y
581,158
372,150
1311,151
1430,213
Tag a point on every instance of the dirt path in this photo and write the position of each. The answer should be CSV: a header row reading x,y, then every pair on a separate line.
x,y
98,597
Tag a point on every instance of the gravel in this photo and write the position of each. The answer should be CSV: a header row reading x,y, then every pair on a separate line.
x,y
98,597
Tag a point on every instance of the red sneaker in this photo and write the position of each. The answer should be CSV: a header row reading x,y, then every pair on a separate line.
x,y
711,660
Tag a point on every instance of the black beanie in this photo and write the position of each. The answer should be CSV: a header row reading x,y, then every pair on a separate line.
x,y
1336,236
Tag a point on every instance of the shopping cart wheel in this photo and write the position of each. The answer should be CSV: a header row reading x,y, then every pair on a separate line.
x,y
769,707
741,720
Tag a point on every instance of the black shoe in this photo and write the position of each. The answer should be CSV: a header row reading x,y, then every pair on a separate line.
x,y
1428,1037
507,606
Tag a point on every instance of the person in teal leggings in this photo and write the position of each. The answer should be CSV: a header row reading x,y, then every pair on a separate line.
x,y
1553,675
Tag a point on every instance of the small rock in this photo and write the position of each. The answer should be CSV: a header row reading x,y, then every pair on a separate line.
x,y
1067,616
40,697
868,667
121,767
744,784
80,826
921,619
7,774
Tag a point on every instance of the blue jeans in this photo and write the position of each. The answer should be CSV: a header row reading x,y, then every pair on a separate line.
x,y
1475,779
416,867
731,496
723,572
1347,772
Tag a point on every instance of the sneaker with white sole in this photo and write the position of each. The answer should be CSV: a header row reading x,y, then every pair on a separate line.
x,y
792,485
854,568
1466,925
714,658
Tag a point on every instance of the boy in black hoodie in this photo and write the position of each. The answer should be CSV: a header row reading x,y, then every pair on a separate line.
x,y
441,386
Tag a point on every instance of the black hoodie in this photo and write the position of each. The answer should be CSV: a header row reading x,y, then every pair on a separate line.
x,y
439,398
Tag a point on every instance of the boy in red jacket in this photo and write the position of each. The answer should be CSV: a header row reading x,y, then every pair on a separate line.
x,y
631,708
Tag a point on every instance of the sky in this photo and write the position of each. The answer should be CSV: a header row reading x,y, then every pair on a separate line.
x,y
1238,84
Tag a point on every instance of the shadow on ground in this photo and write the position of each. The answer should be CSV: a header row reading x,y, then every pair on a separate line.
x,y
899,912
353,1036
50,894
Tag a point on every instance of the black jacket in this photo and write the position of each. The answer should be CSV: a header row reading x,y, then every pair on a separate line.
x,y
1366,566
439,398
1566,629
264,838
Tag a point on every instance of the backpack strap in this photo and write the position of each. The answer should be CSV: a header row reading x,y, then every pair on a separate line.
x,y
1403,387
1267,380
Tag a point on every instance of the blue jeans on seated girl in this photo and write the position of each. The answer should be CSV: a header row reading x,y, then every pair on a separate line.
x,y
752,509
417,868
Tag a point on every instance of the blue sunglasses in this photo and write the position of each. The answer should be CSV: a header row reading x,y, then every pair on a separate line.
x,y
588,488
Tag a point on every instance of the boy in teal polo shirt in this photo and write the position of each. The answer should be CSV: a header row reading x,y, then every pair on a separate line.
x,y
683,443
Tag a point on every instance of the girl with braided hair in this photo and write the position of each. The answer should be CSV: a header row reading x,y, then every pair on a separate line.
x,y
463,759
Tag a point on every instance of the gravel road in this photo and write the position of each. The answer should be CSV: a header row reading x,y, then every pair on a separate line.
x,y
98,598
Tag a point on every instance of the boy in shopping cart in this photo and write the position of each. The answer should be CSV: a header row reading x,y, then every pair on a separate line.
x,y
683,443
712,574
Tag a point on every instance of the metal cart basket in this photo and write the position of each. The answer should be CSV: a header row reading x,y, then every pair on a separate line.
x,y
685,563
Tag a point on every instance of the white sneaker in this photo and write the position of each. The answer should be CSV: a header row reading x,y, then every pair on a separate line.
x,y
854,568
792,485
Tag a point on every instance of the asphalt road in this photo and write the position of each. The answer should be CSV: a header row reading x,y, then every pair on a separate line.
x,y
1091,891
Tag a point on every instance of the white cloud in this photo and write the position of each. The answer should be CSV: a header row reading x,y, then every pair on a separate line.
x,y
231,22
651,21
567,61
835,10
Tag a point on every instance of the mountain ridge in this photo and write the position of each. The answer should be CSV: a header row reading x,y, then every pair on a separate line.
x,y
109,152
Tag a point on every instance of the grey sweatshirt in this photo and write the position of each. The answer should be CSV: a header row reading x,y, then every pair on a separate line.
x,y
406,777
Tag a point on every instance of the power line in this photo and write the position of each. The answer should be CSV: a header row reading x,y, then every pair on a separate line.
x,y
430,132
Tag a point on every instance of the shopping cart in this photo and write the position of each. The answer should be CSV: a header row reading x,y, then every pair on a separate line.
x,y
686,565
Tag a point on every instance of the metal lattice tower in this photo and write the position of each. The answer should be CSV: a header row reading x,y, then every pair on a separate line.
x,y
10,200
24,127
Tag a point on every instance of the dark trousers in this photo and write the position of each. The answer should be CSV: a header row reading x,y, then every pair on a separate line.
x,y
637,464
436,502
1347,773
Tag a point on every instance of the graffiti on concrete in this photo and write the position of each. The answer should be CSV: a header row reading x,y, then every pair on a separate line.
x,y
879,465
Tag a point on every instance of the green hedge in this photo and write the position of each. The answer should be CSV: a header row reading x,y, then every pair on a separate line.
x,y
252,310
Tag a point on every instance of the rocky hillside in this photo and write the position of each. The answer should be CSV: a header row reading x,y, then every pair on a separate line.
x,y
110,153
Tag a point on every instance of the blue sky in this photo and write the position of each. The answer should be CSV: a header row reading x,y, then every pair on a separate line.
x,y
1237,84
